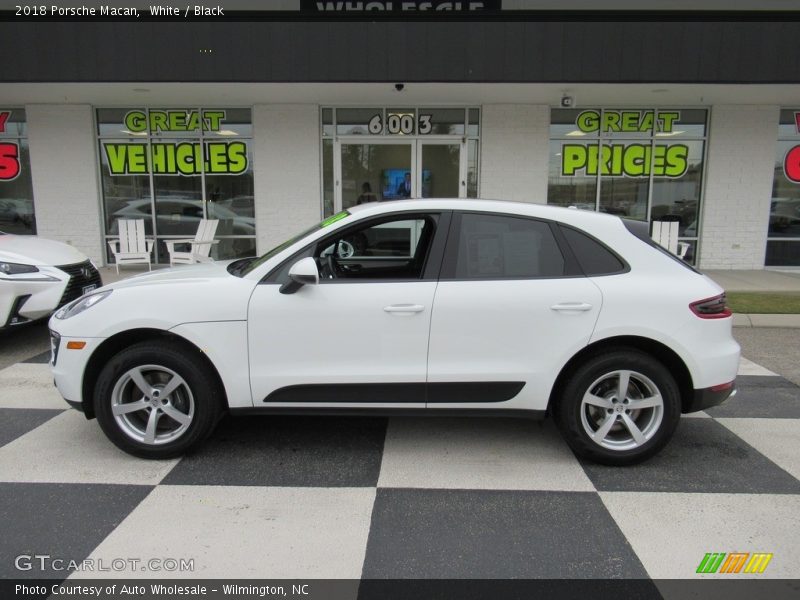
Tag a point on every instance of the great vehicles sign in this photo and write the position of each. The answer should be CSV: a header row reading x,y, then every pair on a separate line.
x,y
617,158
187,157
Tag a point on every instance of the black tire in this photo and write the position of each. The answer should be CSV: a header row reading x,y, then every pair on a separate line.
x,y
598,374
199,397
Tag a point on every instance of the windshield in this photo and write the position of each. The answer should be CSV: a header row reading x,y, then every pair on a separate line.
x,y
243,267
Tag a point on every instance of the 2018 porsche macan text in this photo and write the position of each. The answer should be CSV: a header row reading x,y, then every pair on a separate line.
x,y
411,307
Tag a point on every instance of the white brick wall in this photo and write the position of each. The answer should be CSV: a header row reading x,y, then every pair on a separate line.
x,y
64,170
741,159
515,152
287,170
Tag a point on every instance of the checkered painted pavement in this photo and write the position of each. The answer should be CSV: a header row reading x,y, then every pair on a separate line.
x,y
333,497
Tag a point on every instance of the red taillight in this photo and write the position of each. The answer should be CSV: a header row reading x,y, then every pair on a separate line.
x,y
711,308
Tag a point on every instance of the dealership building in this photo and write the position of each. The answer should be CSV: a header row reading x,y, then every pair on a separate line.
x,y
272,120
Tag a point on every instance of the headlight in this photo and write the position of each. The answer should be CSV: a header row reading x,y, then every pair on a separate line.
x,y
8,268
81,304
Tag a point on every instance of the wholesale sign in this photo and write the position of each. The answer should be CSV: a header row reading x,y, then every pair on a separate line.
x,y
625,159
9,152
186,157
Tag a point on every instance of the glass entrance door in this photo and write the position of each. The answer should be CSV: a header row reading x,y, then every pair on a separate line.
x,y
373,172
380,170
440,170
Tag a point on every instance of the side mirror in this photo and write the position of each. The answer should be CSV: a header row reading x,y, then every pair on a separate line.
x,y
303,272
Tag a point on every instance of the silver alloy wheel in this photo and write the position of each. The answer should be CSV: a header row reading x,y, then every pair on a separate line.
x,y
622,410
152,404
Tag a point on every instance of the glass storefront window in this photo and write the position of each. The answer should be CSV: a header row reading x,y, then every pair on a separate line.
x,y
16,189
571,189
644,164
355,121
175,167
444,121
783,234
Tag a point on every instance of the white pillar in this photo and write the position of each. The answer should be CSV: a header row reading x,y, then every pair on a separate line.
x,y
515,142
287,170
741,163
64,172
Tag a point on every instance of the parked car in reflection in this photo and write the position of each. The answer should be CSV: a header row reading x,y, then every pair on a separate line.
x,y
37,276
181,216
243,206
14,211
784,214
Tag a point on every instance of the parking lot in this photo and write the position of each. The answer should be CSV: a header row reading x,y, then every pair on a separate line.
x,y
335,497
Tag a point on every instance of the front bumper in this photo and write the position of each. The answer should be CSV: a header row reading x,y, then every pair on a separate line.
x,y
69,365
708,397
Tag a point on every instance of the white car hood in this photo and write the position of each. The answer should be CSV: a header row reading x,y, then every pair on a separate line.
x,y
33,250
182,274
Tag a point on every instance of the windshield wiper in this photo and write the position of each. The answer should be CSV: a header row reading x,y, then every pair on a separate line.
x,y
236,268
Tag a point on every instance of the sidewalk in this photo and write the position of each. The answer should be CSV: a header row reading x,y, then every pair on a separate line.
x,y
732,281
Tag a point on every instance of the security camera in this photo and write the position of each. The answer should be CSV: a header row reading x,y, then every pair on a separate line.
x,y
399,86
567,101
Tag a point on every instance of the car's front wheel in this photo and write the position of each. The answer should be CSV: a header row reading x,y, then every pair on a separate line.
x,y
157,400
619,408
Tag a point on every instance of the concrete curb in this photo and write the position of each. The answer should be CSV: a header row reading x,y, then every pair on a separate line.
x,y
767,320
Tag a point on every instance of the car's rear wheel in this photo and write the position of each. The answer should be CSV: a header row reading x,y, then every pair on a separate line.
x,y
619,408
157,400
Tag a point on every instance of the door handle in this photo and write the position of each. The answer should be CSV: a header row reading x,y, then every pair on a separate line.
x,y
404,308
578,306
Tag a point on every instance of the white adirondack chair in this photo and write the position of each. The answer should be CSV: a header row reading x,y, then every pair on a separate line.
x,y
665,234
131,247
199,247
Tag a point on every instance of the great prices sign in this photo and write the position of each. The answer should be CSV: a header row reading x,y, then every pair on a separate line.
x,y
186,157
9,152
618,159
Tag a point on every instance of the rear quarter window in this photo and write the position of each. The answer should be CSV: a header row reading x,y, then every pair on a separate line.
x,y
641,230
593,257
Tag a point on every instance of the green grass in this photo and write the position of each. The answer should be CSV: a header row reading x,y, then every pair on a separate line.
x,y
764,302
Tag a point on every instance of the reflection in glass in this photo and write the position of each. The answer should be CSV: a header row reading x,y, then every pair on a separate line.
x,y
784,214
327,178
472,168
178,203
678,199
355,121
440,170
783,245
16,196
443,121
124,196
473,127
624,196
579,190
373,172
15,124
229,198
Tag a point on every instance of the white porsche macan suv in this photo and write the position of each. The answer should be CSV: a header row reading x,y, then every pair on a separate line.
x,y
411,307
